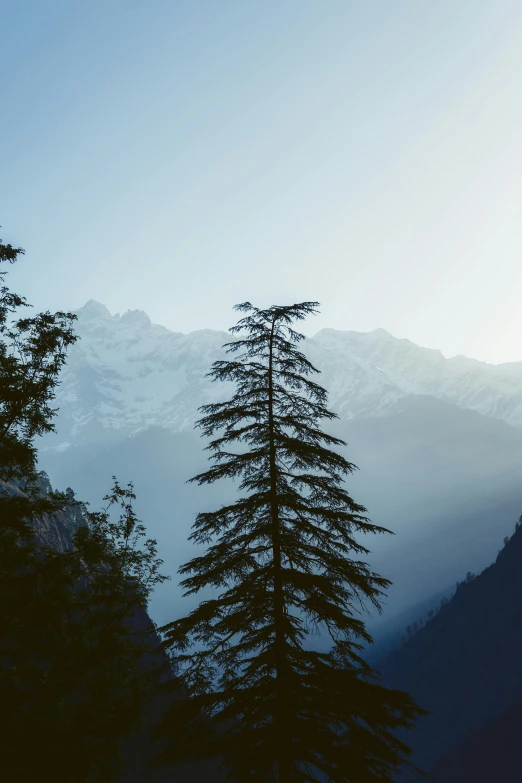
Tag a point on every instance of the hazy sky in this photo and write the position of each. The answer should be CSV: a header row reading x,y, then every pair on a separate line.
x,y
179,156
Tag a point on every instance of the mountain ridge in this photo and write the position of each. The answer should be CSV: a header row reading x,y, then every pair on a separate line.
x,y
127,373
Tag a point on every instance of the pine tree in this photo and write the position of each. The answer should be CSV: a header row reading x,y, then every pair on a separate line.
x,y
283,560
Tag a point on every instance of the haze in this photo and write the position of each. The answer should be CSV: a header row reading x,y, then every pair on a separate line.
x,y
181,157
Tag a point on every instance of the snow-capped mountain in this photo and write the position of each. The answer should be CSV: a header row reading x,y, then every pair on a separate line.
x,y
126,374
366,373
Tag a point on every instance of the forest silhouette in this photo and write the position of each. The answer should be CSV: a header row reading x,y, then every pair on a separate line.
x,y
230,691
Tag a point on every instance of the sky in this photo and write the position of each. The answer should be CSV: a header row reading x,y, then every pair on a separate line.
x,y
180,157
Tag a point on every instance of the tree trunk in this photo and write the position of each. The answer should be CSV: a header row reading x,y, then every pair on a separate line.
x,y
280,717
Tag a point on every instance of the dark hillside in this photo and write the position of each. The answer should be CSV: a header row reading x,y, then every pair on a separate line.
x,y
464,665
490,754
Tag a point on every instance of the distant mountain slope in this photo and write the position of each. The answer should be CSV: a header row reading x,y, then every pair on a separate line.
x,y
464,665
446,481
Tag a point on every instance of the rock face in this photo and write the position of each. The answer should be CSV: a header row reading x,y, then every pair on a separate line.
x,y
126,374
55,530
464,666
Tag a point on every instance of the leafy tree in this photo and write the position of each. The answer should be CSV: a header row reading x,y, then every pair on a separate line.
x,y
32,353
73,677
284,561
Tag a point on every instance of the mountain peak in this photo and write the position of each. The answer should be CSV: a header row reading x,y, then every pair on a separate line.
x,y
381,333
93,309
135,317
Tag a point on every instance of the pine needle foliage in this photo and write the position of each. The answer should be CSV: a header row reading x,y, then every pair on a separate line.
x,y
283,560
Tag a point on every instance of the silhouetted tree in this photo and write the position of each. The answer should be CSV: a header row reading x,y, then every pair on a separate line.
x,y
73,673
72,679
284,561
32,353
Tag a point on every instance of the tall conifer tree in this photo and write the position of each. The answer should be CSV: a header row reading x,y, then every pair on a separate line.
x,y
283,559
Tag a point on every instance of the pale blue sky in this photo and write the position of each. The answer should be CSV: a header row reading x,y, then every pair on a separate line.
x,y
179,157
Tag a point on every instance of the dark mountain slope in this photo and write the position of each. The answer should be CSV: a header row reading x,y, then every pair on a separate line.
x,y
490,754
391,633
464,665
